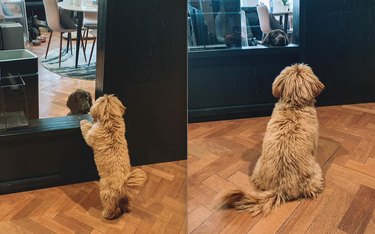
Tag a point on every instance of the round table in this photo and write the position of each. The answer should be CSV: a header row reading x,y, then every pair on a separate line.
x,y
65,5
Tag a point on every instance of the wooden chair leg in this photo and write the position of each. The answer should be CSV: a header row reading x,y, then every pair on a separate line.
x,y
61,36
71,43
83,48
49,42
67,43
87,36
92,50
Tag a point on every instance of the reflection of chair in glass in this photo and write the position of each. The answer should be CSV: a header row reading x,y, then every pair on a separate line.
x,y
226,24
252,23
6,14
53,21
14,11
94,33
90,21
199,26
264,20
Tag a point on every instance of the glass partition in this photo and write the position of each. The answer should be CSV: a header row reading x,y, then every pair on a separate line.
x,y
14,11
228,24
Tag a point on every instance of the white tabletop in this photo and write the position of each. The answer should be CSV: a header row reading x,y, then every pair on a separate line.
x,y
281,12
82,8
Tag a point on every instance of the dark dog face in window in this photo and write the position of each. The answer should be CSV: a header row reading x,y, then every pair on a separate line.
x,y
79,102
276,37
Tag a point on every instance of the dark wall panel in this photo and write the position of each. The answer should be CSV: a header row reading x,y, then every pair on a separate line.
x,y
235,83
50,152
338,43
142,59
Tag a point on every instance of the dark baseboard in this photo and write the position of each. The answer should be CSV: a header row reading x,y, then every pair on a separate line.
x,y
47,181
230,112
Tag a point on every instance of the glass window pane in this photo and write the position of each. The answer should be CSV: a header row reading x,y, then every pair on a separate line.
x,y
228,24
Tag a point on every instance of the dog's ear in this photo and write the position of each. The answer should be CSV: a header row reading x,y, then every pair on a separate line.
x,y
317,87
98,110
267,39
310,85
115,106
278,86
71,103
89,99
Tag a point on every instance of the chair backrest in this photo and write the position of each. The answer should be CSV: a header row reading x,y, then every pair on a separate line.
x,y
264,19
91,15
2,15
52,14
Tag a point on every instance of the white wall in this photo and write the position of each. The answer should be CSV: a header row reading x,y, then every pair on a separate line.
x,y
249,3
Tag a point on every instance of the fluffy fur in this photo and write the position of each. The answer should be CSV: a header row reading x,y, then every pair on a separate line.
x,y
287,169
106,136
79,102
276,37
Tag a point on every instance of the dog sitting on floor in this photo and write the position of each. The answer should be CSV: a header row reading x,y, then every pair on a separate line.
x,y
79,102
106,136
287,169
276,37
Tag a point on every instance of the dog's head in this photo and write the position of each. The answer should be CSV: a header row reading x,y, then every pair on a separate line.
x,y
79,102
297,85
276,37
107,107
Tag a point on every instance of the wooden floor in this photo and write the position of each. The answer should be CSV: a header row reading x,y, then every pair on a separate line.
x,y
222,156
160,207
53,88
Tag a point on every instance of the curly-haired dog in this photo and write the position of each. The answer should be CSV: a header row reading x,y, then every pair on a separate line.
x,y
79,102
286,169
276,37
106,135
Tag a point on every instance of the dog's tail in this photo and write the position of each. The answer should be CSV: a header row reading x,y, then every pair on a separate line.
x,y
260,202
135,180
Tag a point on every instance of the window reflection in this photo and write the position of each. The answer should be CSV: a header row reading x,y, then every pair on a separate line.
x,y
226,24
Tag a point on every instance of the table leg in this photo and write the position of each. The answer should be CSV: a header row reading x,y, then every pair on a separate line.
x,y
286,19
79,30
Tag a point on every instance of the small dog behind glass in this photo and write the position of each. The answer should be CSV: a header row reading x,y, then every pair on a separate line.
x,y
79,102
106,136
276,37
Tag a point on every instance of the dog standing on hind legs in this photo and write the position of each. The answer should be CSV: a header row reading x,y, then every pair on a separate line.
x,y
106,136
287,169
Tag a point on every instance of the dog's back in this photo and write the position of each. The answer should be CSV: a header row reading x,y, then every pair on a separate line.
x,y
288,150
287,169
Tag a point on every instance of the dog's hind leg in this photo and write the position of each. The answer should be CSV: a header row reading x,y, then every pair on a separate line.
x,y
126,204
315,184
111,209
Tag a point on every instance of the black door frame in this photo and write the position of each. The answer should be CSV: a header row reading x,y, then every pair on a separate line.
x,y
51,152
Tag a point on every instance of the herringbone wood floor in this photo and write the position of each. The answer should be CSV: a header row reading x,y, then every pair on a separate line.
x,y
160,207
53,88
222,156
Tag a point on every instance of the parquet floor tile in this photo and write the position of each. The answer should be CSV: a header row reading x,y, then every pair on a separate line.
x,y
222,155
159,207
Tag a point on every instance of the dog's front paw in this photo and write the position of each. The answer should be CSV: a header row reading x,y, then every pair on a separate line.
x,y
84,122
85,126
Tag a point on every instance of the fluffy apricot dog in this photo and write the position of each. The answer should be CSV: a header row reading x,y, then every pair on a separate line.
x,y
106,136
287,169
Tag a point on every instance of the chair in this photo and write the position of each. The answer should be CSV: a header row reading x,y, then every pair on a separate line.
x,y
6,14
90,21
264,19
94,33
53,21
